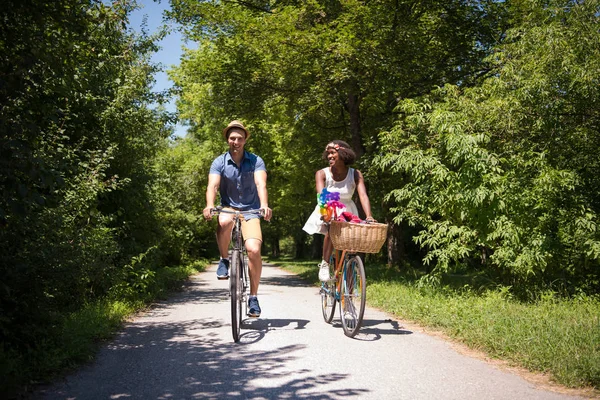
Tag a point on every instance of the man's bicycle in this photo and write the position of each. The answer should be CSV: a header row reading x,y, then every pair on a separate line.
x,y
348,287
239,278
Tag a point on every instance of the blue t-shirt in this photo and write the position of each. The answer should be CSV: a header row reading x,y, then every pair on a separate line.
x,y
237,188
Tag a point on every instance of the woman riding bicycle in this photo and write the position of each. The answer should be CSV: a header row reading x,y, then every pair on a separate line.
x,y
337,177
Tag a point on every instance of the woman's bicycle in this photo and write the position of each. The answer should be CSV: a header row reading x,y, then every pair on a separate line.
x,y
348,287
239,278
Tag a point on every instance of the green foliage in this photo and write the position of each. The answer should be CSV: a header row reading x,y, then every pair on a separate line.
x,y
78,141
504,176
303,73
180,186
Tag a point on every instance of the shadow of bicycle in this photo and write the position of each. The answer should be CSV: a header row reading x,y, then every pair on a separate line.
x,y
372,330
254,330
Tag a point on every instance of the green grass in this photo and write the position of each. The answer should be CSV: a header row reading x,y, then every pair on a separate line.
x,y
77,338
560,337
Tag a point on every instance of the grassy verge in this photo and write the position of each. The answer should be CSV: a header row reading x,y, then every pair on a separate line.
x,y
559,337
76,340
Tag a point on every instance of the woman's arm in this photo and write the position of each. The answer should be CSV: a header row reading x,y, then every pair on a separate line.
x,y
362,194
319,181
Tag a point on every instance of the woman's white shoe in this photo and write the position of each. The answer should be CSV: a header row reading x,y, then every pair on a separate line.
x,y
324,272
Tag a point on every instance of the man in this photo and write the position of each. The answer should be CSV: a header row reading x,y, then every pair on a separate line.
x,y
240,178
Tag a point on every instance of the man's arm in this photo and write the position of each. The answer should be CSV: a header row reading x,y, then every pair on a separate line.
x,y
214,181
260,179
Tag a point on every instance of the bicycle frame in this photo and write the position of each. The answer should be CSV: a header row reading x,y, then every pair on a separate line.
x,y
340,258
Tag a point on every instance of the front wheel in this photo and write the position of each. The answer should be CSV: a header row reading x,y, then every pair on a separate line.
x,y
328,294
235,287
353,295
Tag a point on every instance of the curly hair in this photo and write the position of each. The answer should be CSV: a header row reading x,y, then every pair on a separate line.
x,y
343,149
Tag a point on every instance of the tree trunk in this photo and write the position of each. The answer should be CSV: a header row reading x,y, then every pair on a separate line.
x,y
395,244
317,247
353,108
300,247
275,249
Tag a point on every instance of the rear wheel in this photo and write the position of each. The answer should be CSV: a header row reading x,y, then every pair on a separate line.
x,y
328,294
235,287
353,293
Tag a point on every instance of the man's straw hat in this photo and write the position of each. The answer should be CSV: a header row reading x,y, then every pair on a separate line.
x,y
235,124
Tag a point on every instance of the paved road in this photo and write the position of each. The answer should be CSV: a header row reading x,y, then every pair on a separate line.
x,y
182,349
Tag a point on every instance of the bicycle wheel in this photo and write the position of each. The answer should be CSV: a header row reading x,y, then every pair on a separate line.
x,y
328,294
353,293
235,287
245,285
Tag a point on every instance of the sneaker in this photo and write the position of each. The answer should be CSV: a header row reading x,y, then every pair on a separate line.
x,y
253,307
223,269
324,272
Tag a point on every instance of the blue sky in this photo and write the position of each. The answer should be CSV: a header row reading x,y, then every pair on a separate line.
x,y
171,46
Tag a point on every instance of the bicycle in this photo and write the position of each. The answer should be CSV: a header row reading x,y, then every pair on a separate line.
x,y
239,278
348,287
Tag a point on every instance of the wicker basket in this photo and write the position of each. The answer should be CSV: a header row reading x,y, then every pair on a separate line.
x,y
357,238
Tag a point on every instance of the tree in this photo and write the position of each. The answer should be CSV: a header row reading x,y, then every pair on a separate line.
x,y
77,140
503,176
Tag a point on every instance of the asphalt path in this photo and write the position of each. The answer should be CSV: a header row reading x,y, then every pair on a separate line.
x,y
183,349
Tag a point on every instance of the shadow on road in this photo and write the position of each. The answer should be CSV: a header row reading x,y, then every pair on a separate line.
x,y
254,330
372,330
270,324
154,359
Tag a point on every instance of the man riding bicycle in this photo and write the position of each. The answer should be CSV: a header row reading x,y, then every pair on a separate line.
x,y
240,177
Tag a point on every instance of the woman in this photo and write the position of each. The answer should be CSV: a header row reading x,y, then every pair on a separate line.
x,y
337,177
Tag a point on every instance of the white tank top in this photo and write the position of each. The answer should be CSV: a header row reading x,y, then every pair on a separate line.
x,y
345,188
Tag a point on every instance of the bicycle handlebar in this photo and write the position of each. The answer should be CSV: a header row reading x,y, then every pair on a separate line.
x,y
260,212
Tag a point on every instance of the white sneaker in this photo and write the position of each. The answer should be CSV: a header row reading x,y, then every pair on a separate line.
x,y
324,271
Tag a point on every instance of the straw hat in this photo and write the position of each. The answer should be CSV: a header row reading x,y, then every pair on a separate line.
x,y
235,124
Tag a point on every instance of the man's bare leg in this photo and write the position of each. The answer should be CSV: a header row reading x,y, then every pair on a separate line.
x,y
224,234
253,248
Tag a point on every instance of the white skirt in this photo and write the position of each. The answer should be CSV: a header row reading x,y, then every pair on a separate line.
x,y
315,224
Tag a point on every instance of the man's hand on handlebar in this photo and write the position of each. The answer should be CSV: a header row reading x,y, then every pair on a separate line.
x,y
208,213
267,213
